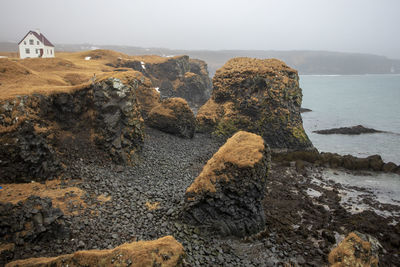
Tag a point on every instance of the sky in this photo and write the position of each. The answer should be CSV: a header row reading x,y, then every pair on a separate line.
x,y
363,26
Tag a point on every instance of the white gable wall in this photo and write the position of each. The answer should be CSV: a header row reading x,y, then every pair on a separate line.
x,y
34,48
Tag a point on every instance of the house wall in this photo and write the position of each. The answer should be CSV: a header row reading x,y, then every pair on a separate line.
x,y
34,49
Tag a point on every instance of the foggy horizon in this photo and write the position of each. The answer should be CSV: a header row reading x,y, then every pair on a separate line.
x,y
368,27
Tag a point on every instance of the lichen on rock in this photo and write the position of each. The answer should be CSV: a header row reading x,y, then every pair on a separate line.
x,y
259,96
174,116
227,194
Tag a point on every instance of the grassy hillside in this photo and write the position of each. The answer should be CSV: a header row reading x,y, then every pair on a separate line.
x,y
306,62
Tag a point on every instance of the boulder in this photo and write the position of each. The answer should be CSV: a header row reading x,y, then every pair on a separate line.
x,y
165,251
389,167
227,195
259,96
356,250
174,116
375,162
353,163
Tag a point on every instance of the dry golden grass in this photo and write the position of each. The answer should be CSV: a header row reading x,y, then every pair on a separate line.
x,y
243,149
352,251
170,107
254,65
64,73
165,251
103,198
13,193
152,206
6,247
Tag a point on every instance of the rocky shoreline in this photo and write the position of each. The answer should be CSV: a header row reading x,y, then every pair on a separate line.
x,y
112,162
167,167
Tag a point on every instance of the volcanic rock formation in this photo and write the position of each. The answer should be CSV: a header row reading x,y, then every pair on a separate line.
x,y
34,127
33,218
177,76
259,96
165,251
174,116
227,194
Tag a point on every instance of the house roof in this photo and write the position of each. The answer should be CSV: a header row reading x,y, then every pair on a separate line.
x,y
41,38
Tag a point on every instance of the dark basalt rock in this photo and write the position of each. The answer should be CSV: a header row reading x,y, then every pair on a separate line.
x,y
26,155
174,116
227,194
118,119
354,130
258,96
389,167
334,160
303,110
35,128
178,76
33,219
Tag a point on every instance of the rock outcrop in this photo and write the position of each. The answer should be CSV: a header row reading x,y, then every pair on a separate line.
x,y
33,218
353,130
259,96
356,250
165,251
177,76
174,116
33,128
334,160
25,153
227,194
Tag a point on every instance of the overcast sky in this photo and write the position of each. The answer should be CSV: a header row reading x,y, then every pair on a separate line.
x,y
366,26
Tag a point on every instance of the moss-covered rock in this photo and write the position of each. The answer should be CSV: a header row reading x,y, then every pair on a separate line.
x,y
165,251
355,250
259,96
174,116
227,194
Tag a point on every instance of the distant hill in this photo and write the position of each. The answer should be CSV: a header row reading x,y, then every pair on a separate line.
x,y
306,62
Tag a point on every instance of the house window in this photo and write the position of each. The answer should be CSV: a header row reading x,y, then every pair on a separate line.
x,y
37,51
27,51
31,41
24,42
37,42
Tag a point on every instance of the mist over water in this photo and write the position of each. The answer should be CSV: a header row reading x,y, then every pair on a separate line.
x,y
339,101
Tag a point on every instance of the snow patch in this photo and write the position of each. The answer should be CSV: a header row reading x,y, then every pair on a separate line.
x,y
143,65
88,58
157,89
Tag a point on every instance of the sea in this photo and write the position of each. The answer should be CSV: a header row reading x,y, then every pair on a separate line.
x,y
348,100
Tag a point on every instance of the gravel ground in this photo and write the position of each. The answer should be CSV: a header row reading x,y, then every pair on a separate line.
x,y
299,230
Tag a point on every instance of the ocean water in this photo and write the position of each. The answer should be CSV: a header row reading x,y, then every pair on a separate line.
x,y
347,100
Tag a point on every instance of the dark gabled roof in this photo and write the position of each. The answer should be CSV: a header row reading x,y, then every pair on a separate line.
x,y
41,38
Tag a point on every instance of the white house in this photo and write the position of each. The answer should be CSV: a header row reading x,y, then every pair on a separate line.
x,y
35,44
